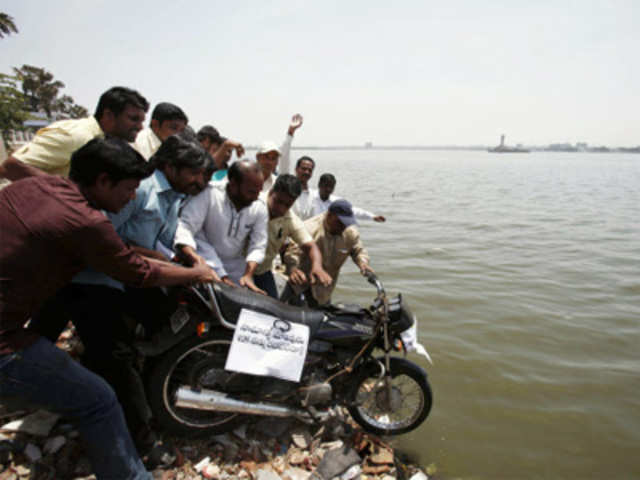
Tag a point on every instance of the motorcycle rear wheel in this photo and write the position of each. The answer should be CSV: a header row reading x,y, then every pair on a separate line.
x,y
198,363
404,410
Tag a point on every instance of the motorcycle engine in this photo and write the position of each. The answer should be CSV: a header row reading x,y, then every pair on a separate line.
x,y
316,391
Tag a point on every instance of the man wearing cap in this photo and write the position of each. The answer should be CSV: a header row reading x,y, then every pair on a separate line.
x,y
336,236
270,153
220,148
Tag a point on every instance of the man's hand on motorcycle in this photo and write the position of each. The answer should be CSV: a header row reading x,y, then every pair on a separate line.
x,y
247,281
297,277
205,274
365,268
227,280
189,257
320,276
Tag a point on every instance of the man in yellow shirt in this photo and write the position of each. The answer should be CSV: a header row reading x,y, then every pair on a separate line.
x,y
120,113
283,224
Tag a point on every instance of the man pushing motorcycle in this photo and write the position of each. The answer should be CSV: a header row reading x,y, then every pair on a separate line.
x,y
337,238
41,250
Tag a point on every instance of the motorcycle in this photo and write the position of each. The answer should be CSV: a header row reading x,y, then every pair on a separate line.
x,y
191,392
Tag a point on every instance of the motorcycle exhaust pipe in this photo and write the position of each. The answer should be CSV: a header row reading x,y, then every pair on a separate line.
x,y
211,400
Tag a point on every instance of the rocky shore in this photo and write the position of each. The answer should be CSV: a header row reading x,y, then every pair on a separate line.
x,y
39,445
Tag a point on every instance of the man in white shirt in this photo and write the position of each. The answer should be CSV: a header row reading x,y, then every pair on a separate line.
x,y
269,154
223,222
322,198
166,119
304,172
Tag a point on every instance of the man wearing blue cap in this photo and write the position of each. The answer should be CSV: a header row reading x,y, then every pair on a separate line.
x,y
336,236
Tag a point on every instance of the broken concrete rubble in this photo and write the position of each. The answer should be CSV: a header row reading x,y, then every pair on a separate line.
x,y
299,452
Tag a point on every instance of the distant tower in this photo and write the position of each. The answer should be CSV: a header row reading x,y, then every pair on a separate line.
x,y
502,140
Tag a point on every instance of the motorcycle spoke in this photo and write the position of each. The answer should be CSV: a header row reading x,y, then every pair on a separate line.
x,y
193,369
371,401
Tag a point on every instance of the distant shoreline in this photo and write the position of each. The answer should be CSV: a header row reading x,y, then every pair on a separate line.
x,y
459,148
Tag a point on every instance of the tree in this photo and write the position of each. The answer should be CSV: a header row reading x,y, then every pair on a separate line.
x,y
66,107
12,111
7,26
42,91
39,87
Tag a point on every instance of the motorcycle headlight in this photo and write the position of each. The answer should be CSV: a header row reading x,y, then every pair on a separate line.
x,y
400,315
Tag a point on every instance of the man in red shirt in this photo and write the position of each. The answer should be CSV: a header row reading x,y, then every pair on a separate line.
x,y
52,228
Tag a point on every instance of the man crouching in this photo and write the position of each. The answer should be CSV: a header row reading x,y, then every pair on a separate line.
x,y
52,229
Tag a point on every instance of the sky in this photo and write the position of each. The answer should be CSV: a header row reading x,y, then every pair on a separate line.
x,y
392,73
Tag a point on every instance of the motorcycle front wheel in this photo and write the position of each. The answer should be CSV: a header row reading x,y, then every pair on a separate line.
x,y
197,363
391,405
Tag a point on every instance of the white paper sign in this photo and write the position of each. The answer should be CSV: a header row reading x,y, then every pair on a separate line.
x,y
268,346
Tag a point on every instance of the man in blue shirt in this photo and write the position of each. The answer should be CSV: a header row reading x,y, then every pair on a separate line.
x,y
97,303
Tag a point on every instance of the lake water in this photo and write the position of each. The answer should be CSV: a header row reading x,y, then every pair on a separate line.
x,y
524,272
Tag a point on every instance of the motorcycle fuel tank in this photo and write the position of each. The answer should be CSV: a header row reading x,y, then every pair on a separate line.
x,y
346,330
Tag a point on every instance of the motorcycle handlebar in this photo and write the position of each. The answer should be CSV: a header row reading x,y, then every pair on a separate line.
x,y
372,278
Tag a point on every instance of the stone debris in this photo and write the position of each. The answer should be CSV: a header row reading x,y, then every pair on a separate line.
x,y
202,463
32,452
267,475
382,456
54,444
38,423
419,476
337,461
256,450
294,473
301,437
211,471
352,472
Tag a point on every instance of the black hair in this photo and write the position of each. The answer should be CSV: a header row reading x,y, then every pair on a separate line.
x,y
164,112
238,169
211,134
189,134
116,99
308,159
110,155
181,150
327,179
289,184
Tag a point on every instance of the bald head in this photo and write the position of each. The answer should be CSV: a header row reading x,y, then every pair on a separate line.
x,y
245,183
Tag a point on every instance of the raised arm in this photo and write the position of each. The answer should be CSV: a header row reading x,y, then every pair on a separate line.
x,y
284,164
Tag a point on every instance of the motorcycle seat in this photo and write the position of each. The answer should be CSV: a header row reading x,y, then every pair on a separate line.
x,y
232,300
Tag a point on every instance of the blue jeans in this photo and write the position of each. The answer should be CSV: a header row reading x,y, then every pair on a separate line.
x,y
43,375
266,282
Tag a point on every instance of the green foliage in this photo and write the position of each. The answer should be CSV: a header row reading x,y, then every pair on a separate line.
x,y
66,107
39,87
12,105
42,93
7,25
